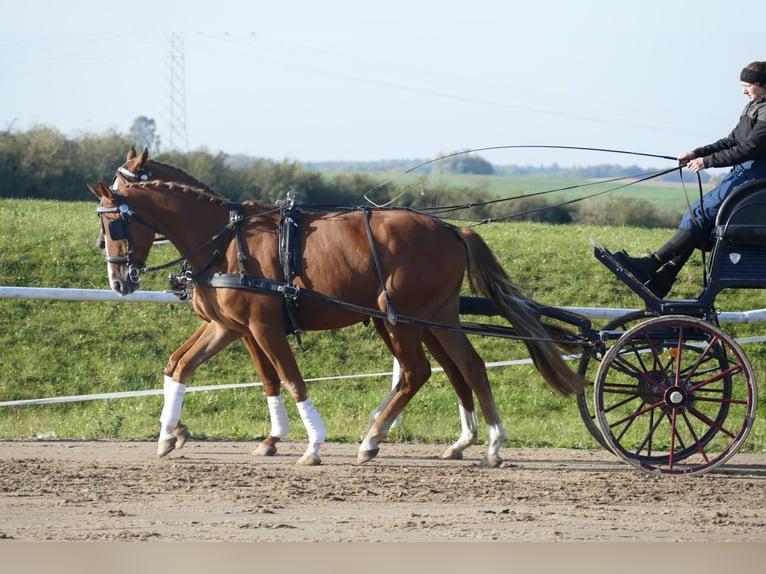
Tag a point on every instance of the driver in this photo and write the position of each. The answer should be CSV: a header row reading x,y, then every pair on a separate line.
x,y
744,150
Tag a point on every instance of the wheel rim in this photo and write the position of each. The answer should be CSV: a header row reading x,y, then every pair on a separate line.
x,y
675,395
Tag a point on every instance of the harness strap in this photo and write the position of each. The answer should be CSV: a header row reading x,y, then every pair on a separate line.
x,y
390,313
289,241
235,218
290,256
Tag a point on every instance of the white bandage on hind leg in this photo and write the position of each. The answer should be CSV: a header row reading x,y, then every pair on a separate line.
x,y
280,424
171,410
312,421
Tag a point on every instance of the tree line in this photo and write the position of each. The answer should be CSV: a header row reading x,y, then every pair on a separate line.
x,y
42,163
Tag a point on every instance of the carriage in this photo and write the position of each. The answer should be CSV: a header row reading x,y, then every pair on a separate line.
x,y
672,393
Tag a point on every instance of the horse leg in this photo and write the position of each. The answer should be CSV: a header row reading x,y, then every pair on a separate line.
x,y
469,427
276,350
280,424
180,431
408,349
207,341
474,372
396,378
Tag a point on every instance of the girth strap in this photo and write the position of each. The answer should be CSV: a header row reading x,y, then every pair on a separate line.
x,y
247,282
256,284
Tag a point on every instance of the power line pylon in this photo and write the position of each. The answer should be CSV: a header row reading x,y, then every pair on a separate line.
x,y
177,138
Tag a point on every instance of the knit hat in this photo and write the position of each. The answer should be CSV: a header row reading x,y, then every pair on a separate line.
x,y
750,76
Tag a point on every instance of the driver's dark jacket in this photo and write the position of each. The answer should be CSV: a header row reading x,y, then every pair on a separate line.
x,y
746,142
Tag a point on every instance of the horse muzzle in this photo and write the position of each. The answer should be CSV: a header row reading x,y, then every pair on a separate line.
x,y
124,278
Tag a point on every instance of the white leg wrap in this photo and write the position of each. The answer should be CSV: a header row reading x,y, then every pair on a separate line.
x,y
312,421
171,410
469,424
280,424
396,377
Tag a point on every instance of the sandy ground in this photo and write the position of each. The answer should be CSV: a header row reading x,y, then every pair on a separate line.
x,y
218,491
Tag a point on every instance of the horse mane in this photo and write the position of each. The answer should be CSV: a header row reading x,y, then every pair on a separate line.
x,y
183,174
198,188
203,193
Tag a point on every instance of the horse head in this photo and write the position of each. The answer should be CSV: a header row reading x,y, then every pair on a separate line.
x,y
127,239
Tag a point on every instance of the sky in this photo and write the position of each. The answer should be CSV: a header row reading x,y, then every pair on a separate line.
x,y
310,80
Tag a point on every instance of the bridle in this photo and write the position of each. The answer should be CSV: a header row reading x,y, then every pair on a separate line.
x,y
119,230
123,173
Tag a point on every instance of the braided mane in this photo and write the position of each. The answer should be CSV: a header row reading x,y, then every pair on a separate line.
x,y
182,175
201,190
199,193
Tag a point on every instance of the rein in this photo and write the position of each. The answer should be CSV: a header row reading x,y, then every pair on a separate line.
x,y
271,287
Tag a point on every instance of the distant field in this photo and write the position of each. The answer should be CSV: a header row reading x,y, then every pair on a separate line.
x,y
664,195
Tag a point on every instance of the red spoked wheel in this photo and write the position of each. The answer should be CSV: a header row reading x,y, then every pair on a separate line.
x,y
675,395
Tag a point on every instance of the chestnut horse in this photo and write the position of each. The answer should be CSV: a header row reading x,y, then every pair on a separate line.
x,y
402,268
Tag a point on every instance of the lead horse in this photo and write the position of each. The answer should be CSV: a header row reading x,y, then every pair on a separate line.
x,y
402,268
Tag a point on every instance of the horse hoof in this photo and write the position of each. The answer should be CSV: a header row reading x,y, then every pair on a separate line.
x,y
310,459
265,450
181,432
166,446
366,455
491,461
452,453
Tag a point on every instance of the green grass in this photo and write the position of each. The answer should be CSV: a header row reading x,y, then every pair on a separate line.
x,y
57,348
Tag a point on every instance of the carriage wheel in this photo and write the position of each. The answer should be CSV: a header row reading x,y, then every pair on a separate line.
x,y
588,366
675,395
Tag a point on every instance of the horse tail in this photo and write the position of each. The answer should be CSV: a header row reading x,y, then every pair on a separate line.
x,y
487,277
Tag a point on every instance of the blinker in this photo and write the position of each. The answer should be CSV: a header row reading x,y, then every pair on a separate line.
x,y
118,229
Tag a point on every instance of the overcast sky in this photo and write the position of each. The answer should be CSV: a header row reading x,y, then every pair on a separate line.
x,y
355,80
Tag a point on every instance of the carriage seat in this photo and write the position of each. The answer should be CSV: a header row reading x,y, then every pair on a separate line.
x,y
738,258
742,217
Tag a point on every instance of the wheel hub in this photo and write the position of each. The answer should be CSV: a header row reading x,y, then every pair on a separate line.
x,y
675,397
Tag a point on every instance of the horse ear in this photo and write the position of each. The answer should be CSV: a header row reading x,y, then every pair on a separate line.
x,y
95,191
131,153
144,155
104,191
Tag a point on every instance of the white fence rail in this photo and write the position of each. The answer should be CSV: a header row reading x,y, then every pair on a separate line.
x,y
97,295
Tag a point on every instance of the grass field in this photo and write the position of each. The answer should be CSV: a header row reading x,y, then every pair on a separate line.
x,y
54,348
